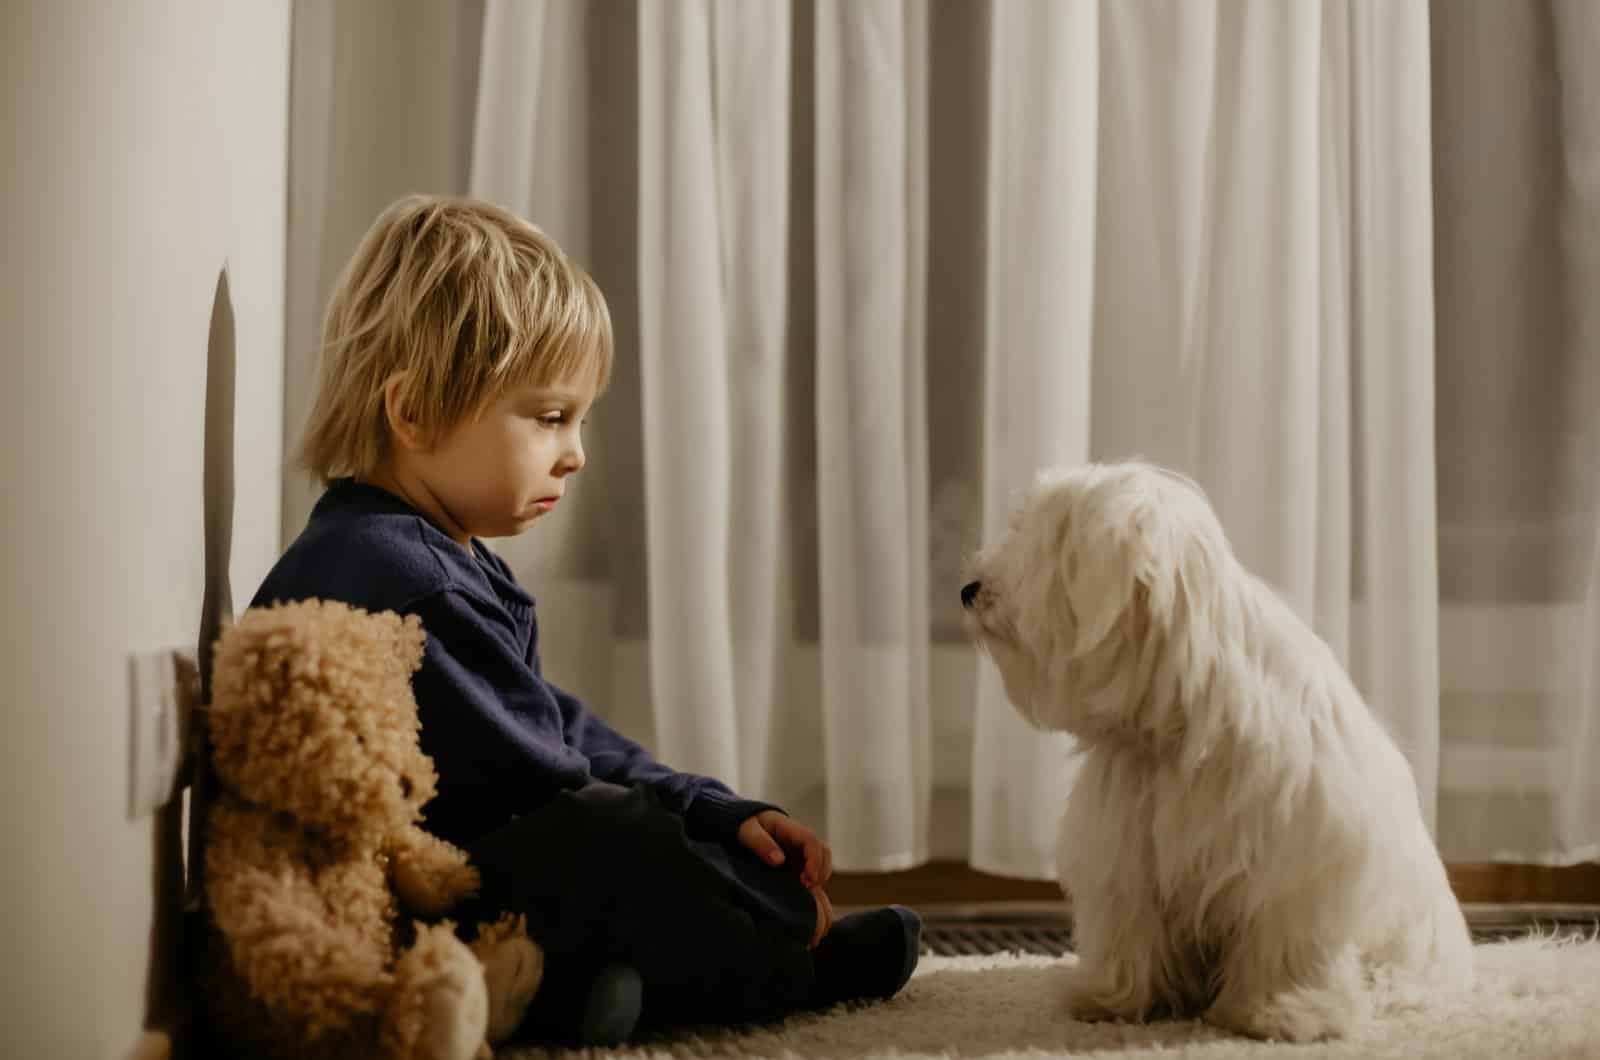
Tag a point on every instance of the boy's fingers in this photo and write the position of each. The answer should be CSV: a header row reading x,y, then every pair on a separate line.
x,y
807,867
755,835
824,915
781,826
814,866
768,848
816,859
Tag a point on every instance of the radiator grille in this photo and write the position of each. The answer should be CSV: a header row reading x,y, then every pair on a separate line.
x,y
1050,934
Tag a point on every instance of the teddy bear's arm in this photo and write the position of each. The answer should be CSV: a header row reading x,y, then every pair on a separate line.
x,y
429,874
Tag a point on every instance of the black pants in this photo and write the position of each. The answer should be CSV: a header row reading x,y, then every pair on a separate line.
x,y
606,874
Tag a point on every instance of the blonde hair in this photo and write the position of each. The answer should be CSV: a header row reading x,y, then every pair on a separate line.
x,y
466,300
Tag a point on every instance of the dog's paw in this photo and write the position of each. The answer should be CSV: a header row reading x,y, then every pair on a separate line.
x,y
1085,998
1086,1008
1304,1015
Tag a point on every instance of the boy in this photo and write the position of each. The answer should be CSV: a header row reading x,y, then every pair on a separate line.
x,y
461,351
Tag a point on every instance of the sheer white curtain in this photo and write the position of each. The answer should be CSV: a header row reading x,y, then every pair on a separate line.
x,y
871,225
872,262
1517,160
1576,787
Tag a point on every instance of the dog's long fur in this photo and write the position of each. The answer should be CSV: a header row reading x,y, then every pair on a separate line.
x,y
1244,840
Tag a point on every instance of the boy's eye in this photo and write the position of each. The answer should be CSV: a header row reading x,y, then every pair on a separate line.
x,y
558,418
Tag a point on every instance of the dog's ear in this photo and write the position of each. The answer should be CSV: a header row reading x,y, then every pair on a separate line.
x,y
1104,566
1179,569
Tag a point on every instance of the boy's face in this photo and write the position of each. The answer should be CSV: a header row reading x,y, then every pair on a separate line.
x,y
493,476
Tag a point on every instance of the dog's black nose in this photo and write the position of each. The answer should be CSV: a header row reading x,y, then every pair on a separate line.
x,y
969,593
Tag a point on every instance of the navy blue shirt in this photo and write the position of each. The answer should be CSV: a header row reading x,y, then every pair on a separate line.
x,y
503,739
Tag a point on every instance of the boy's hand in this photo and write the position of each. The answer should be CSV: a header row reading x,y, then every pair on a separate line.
x,y
824,916
770,833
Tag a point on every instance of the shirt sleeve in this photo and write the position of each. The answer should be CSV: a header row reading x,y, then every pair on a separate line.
x,y
491,720
486,718
710,809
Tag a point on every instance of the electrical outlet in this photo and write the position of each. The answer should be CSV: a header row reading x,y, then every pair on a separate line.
x,y
155,745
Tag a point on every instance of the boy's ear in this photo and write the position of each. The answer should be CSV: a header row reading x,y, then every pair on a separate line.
x,y
398,414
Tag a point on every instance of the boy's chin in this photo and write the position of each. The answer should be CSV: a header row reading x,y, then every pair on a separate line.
x,y
503,529
512,523
522,522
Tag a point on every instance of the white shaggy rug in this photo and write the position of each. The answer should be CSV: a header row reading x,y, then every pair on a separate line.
x,y
1533,999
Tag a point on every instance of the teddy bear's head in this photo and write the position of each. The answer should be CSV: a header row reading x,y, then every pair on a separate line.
x,y
312,716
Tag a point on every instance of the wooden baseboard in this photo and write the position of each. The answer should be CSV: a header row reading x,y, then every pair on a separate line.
x,y
1536,884
936,883
952,882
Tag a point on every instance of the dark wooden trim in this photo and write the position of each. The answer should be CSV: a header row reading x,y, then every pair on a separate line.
x,y
957,883
935,883
1537,884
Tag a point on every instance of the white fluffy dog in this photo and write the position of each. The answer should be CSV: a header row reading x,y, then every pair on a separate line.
x,y
1244,840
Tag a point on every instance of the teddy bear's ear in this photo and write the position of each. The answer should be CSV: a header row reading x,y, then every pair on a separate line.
x,y
314,716
252,670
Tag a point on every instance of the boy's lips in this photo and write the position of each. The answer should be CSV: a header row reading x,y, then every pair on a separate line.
x,y
544,504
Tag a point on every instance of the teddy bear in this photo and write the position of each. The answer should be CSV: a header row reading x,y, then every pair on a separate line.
x,y
314,855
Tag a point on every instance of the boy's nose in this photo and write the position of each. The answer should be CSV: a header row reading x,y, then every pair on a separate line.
x,y
572,460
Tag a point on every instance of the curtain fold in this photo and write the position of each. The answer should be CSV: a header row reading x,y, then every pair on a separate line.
x,y
1044,110
870,496
1396,655
753,60
683,351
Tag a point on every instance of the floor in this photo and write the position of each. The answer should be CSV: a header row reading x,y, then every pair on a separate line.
x,y
1530,998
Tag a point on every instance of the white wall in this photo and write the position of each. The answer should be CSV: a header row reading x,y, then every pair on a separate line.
x,y
145,146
